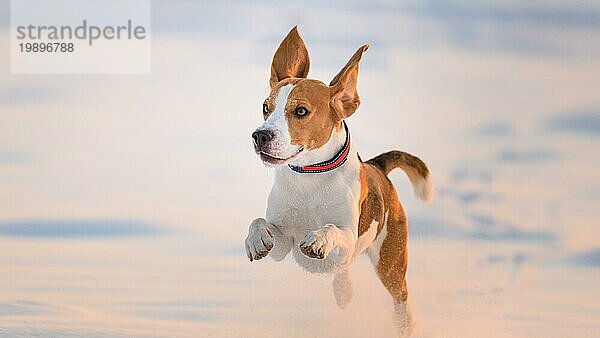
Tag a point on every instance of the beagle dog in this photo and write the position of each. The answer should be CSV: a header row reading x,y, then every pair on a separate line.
x,y
327,206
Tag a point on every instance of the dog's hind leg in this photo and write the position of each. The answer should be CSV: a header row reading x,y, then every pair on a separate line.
x,y
342,288
403,319
388,253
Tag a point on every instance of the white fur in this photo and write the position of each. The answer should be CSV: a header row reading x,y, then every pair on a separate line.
x,y
342,288
403,320
365,240
259,240
424,188
280,146
319,209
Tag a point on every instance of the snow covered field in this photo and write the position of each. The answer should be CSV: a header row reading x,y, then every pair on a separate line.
x,y
125,199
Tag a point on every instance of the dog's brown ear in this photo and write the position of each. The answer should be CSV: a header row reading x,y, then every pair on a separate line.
x,y
344,98
291,59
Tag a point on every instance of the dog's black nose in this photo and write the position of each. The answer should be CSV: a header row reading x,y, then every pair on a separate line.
x,y
261,137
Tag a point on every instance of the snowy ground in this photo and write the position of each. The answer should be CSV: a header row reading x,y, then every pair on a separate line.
x,y
502,102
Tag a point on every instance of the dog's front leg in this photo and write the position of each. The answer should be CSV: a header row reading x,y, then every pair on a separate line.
x,y
331,240
264,237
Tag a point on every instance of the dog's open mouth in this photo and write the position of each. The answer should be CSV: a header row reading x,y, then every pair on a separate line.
x,y
271,159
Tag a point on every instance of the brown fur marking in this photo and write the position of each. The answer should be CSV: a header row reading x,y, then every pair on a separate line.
x,y
291,59
399,159
344,97
393,256
313,130
372,205
381,196
327,106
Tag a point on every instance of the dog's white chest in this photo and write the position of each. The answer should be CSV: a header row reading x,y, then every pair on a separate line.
x,y
305,202
298,212
301,203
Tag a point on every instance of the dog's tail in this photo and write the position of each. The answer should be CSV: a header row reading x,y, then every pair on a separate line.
x,y
415,169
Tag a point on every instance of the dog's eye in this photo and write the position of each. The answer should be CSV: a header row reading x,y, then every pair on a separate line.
x,y
301,112
265,109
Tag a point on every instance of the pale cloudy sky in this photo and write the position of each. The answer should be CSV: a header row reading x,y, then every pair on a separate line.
x,y
500,99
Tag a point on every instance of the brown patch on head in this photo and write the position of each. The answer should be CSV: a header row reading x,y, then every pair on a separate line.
x,y
270,100
314,129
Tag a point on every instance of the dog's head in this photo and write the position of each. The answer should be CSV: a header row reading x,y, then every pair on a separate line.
x,y
300,114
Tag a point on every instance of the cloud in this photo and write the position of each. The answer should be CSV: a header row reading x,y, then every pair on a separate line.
x,y
469,196
510,233
468,173
11,157
442,10
584,123
496,129
515,261
590,258
4,13
76,228
24,94
486,228
516,258
507,13
509,27
25,308
426,227
526,156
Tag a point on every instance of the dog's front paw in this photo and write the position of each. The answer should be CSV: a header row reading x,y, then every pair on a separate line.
x,y
259,241
317,244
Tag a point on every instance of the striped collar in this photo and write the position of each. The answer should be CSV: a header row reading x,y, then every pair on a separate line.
x,y
335,162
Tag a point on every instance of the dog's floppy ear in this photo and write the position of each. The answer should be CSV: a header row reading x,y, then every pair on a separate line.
x,y
344,98
291,59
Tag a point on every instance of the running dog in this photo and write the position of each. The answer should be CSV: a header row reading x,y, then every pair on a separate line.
x,y
327,206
